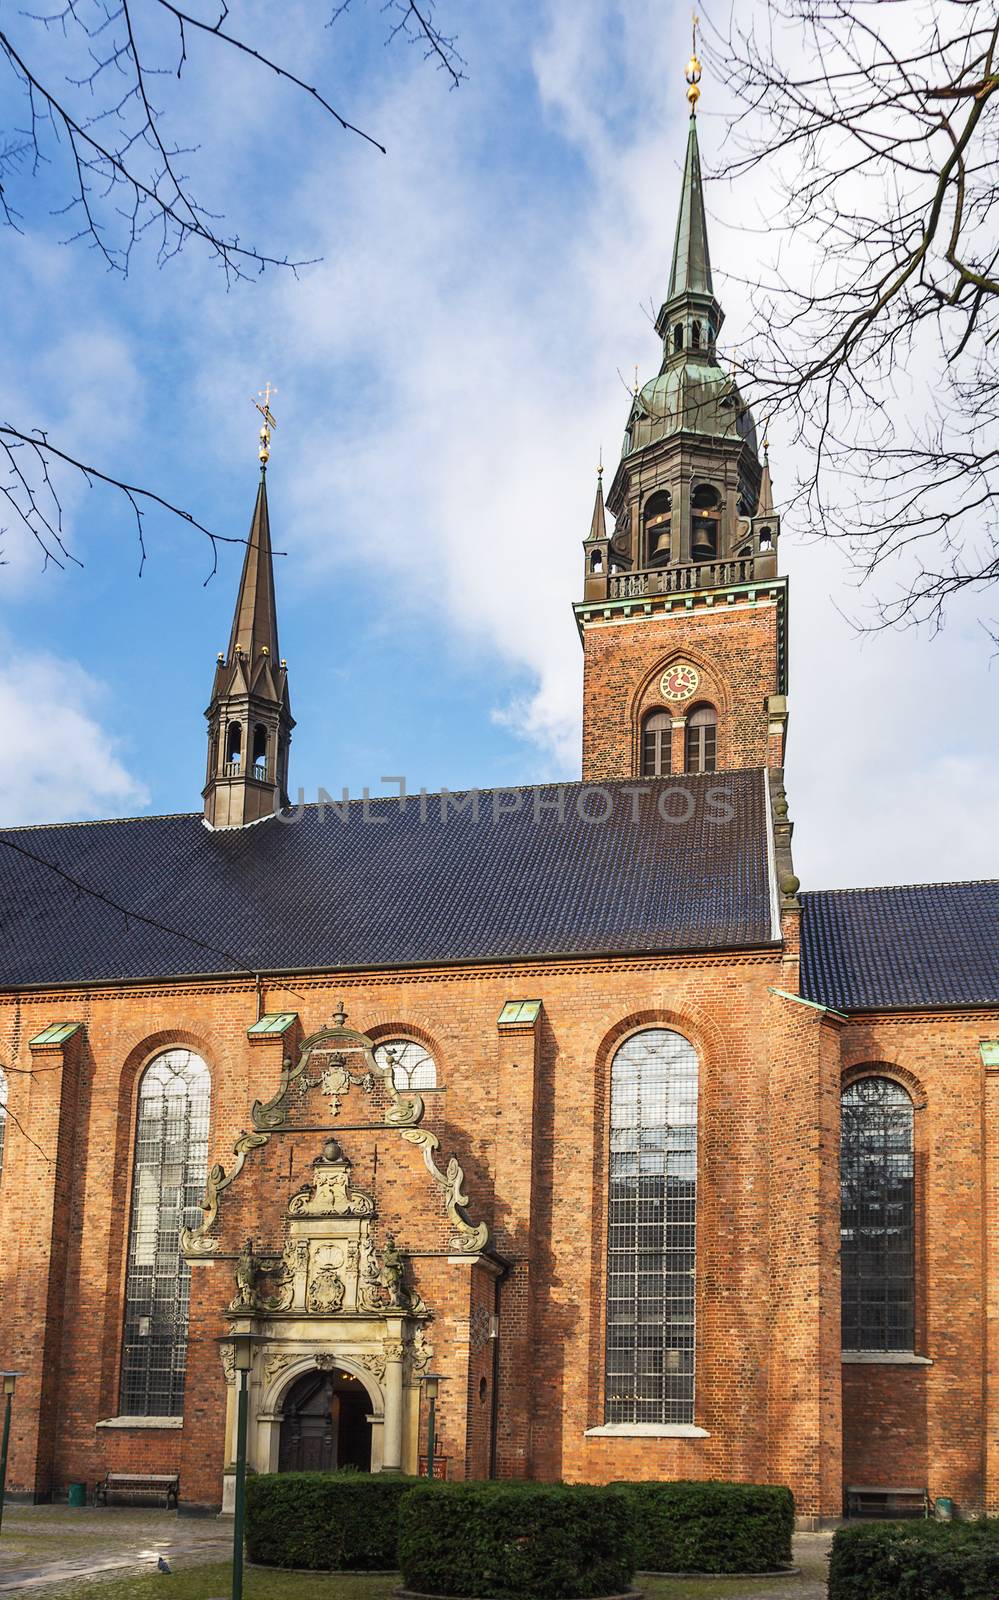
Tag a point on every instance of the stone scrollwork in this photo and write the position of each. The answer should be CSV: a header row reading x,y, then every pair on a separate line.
x,y
227,1355
277,1362
350,1060
467,1236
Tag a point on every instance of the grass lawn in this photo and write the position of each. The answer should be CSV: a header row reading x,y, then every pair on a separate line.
x,y
212,1583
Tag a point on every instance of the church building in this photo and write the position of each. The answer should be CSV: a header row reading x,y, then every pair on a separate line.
x,y
568,1093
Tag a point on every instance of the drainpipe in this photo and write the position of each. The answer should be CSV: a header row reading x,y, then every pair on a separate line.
x,y
494,1335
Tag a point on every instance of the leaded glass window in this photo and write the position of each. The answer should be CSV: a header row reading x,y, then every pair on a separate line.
x,y
877,1216
171,1165
652,1230
413,1067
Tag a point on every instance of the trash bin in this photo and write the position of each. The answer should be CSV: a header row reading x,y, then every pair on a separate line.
x,y
78,1494
944,1508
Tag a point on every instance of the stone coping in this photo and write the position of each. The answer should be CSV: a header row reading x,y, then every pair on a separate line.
x,y
417,1594
719,1577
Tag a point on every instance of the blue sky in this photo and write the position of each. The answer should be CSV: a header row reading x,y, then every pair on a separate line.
x,y
446,375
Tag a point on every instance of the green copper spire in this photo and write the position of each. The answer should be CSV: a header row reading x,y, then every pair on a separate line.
x,y
691,272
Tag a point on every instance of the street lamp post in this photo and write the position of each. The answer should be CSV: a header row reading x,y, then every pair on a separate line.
x,y
431,1384
9,1380
242,1350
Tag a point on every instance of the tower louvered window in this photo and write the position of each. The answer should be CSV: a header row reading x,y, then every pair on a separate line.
x,y
877,1216
657,744
702,739
168,1182
652,1230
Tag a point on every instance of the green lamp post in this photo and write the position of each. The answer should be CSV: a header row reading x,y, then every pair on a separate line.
x,y
431,1386
242,1349
9,1381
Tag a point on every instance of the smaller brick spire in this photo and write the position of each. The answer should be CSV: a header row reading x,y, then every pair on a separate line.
x,y
249,718
598,523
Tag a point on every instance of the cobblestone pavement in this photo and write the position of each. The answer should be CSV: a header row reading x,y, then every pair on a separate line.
x,y
45,1546
811,1555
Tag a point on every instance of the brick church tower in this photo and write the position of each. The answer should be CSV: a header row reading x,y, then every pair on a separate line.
x,y
684,617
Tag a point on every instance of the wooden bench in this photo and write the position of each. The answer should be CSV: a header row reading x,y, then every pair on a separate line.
x,y
137,1488
877,1500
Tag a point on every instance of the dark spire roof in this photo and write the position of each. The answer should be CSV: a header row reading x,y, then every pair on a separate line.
x,y
691,270
254,625
598,524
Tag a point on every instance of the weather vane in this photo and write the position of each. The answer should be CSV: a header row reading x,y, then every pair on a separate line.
x,y
692,72
263,405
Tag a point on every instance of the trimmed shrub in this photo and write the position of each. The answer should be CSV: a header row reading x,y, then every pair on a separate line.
x,y
546,1541
916,1561
332,1521
710,1527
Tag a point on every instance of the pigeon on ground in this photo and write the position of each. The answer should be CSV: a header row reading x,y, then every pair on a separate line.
x,y
162,1564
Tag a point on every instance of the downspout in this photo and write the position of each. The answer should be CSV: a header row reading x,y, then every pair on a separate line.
x,y
494,1335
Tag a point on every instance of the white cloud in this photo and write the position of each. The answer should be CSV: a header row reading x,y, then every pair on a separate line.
x,y
60,763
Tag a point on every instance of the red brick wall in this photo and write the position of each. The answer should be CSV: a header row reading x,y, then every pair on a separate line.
x,y
733,647
527,1117
930,1426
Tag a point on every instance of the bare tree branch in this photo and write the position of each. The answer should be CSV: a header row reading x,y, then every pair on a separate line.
x,y
875,335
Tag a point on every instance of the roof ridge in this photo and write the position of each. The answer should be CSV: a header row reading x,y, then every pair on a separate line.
x,y
883,888
392,799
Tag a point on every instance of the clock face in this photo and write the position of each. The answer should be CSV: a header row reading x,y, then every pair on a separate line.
x,y
680,681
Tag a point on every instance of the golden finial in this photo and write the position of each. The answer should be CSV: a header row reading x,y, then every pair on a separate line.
x,y
600,463
635,389
263,405
692,71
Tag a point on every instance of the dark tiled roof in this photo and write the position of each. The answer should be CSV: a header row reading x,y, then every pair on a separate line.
x,y
924,945
401,889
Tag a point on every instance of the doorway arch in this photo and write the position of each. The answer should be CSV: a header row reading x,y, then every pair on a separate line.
x,y
325,1423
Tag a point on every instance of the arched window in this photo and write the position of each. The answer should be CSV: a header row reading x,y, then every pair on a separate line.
x,y
695,335
259,751
657,517
678,336
877,1216
652,1230
702,739
596,561
413,1067
657,742
233,744
168,1183
3,1116
704,513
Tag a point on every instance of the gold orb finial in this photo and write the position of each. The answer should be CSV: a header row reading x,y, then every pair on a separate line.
x,y
263,405
692,71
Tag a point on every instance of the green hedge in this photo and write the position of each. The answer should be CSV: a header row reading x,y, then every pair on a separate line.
x,y
710,1527
547,1541
916,1561
332,1521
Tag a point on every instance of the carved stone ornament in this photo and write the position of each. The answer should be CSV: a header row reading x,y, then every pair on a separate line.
x,y
227,1355
277,1362
404,1113
326,1361
331,1195
263,1283
374,1363
326,1291
421,1352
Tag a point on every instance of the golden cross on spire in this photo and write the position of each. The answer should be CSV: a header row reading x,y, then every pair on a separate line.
x,y
263,405
692,72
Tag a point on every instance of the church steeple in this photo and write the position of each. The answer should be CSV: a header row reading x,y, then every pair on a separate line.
x,y
691,270
684,616
249,717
